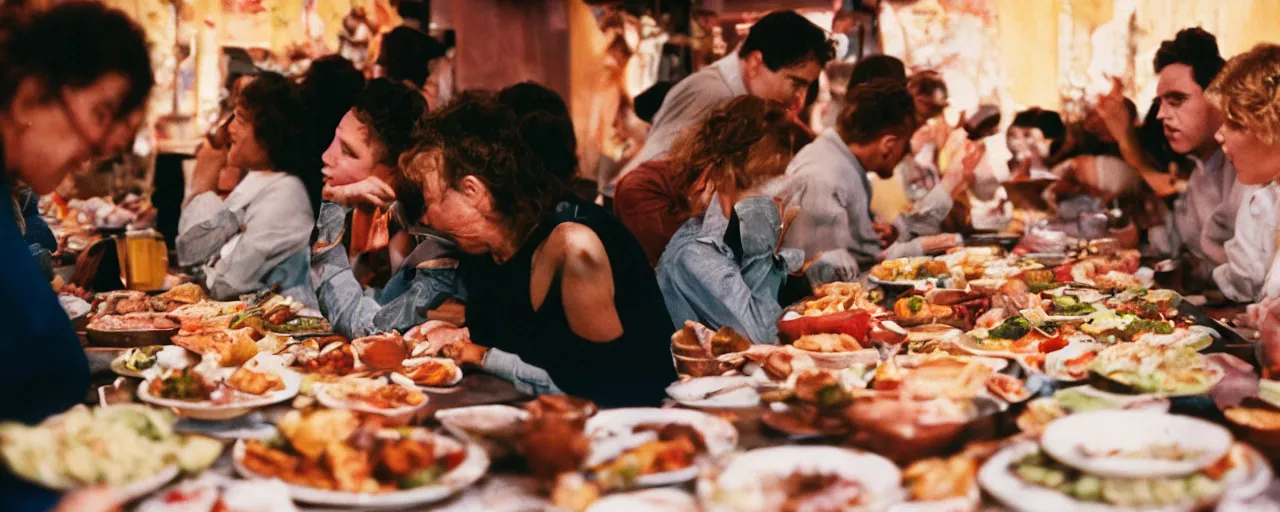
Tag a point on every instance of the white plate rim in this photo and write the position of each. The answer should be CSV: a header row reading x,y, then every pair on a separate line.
x,y
1061,438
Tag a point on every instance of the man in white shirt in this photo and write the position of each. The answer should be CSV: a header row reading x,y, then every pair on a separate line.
x,y
781,56
1204,217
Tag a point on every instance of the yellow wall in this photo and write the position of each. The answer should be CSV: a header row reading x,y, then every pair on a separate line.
x,y
1029,48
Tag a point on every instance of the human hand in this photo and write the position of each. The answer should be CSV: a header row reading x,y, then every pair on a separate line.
x,y
1111,108
886,232
940,242
1267,317
209,163
959,180
371,191
464,352
831,266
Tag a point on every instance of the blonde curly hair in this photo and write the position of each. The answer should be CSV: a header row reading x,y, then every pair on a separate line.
x,y
1247,91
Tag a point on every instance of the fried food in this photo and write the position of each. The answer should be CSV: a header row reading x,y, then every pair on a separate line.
x,y
431,371
233,346
254,383
939,479
828,343
382,351
310,434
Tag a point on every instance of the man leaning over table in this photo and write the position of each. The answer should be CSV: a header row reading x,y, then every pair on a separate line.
x,y
828,181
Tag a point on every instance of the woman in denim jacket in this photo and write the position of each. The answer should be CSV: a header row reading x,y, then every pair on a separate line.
x,y
723,267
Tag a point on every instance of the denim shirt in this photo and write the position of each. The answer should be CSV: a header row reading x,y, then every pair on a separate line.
x,y
414,290
703,280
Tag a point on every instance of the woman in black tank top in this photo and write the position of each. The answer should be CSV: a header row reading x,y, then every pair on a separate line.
x,y
550,278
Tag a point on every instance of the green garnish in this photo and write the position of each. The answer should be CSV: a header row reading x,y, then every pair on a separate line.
x,y
915,304
422,478
1013,328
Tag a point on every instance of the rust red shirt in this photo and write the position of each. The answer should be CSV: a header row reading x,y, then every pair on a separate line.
x,y
647,203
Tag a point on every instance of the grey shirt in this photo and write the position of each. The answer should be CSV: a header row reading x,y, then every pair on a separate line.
x,y
687,103
241,239
1204,218
834,195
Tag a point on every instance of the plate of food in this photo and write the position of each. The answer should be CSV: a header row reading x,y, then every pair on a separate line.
x,y
131,448
391,395
1137,444
209,392
1159,371
1042,411
801,478
211,492
835,351
1024,478
432,372
1067,364
906,273
340,458
133,362
648,447
131,330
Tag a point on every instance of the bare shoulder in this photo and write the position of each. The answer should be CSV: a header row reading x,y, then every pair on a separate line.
x,y
578,247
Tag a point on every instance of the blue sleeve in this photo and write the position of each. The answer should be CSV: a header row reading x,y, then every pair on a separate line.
x,y
715,288
38,231
40,353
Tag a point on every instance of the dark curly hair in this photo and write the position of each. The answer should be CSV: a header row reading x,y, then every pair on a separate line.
x,y
875,109
743,142
73,45
274,106
477,135
545,125
390,110
785,38
1193,47
329,88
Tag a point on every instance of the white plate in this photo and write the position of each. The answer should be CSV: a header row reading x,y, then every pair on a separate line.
x,y
996,478
482,418
472,469
609,425
327,399
1066,440
648,500
691,392
738,487
209,411
842,360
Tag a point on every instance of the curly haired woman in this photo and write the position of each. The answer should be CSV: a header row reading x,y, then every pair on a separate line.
x,y
722,267
1247,92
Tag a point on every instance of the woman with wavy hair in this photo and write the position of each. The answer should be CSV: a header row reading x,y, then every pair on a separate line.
x,y
723,267
1247,92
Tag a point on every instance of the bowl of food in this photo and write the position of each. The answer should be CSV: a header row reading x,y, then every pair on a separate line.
x,y
907,430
